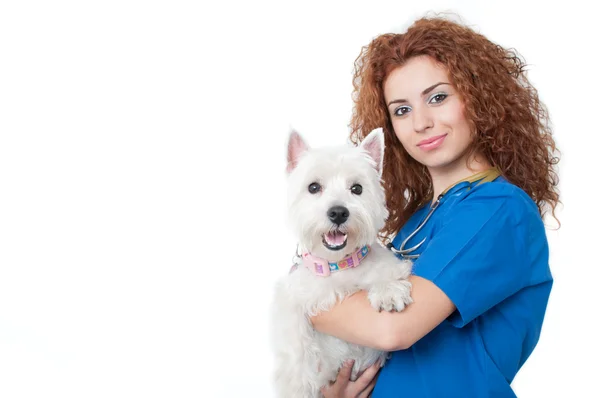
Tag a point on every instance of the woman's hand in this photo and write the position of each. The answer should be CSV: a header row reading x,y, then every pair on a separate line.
x,y
344,388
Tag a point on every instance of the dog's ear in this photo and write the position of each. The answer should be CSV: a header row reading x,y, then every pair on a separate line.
x,y
373,144
296,147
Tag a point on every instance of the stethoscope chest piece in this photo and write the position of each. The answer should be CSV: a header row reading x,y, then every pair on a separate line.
x,y
407,253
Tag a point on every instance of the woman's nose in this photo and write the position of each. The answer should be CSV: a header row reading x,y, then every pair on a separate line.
x,y
422,120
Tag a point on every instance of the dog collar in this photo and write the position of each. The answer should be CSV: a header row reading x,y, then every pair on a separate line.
x,y
322,267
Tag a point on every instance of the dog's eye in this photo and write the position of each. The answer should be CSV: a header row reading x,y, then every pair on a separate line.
x,y
356,189
314,187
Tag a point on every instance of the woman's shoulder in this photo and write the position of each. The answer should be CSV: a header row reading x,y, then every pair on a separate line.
x,y
501,193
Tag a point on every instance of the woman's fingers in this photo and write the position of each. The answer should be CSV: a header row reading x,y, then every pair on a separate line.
x,y
366,393
337,388
345,372
343,387
367,377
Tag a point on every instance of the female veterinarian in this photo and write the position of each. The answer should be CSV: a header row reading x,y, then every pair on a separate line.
x,y
469,172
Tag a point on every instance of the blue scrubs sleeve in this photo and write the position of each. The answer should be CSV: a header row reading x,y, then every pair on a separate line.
x,y
478,256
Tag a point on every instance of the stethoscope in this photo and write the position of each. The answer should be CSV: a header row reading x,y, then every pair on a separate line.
x,y
405,253
484,176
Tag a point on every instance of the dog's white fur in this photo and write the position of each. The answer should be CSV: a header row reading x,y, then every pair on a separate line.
x,y
306,360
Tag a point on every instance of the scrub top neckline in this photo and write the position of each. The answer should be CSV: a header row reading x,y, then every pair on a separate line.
x,y
451,191
488,175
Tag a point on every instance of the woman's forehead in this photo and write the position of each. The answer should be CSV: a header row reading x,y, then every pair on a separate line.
x,y
416,75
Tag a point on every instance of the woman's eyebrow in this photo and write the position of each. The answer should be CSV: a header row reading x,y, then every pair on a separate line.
x,y
425,92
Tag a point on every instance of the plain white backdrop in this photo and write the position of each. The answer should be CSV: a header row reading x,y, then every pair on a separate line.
x,y
142,157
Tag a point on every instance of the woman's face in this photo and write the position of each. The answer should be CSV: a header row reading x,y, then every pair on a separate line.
x,y
427,113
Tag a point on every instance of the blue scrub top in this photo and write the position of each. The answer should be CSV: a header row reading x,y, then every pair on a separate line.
x,y
486,248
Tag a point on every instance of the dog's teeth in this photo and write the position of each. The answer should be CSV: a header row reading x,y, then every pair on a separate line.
x,y
335,238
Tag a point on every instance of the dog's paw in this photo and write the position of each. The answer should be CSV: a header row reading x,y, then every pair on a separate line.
x,y
390,296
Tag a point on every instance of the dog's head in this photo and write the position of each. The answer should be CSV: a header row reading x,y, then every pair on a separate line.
x,y
336,203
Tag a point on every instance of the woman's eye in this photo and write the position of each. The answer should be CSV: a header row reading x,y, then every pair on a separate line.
x,y
402,110
314,187
436,99
356,189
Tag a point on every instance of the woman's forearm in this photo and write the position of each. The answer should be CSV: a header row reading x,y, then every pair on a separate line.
x,y
355,321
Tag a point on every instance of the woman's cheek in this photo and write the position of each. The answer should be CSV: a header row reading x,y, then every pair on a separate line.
x,y
406,143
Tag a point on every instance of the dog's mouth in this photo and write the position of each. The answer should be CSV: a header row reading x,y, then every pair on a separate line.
x,y
335,240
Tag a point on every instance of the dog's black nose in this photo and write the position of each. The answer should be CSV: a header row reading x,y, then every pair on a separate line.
x,y
338,214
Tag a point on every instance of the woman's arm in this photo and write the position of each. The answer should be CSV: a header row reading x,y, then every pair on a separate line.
x,y
355,321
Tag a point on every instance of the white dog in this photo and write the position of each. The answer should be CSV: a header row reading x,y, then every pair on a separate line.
x,y
336,207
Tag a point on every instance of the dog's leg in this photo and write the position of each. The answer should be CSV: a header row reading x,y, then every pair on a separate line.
x,y
296,367
296,350
390,296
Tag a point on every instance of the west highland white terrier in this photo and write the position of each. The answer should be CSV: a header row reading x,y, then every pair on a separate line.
x,y
336,207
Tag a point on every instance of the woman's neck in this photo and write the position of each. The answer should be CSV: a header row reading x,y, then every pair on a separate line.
x,y
444,177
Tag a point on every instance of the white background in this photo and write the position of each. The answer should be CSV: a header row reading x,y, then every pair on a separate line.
x,y
142,155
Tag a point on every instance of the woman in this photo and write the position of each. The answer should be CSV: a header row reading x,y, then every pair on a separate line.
x,y
469,174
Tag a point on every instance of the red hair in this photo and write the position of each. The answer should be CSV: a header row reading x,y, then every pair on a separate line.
x,y
511,123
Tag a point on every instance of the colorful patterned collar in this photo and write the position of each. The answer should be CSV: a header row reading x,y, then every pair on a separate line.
x,y
322,267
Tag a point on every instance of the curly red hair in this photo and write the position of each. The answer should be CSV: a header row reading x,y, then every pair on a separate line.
x,y
511,123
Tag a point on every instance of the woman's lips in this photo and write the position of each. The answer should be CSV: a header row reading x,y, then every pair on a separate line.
x,y
432,143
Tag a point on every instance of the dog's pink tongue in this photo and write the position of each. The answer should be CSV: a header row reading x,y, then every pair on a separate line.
x,y
335,238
